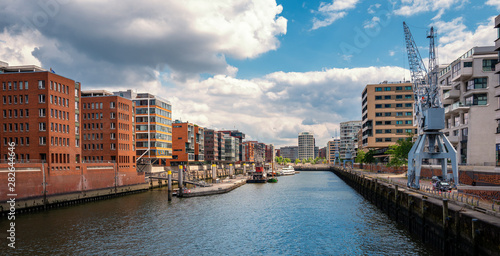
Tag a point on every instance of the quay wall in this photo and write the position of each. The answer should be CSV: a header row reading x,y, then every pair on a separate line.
x,y
447,226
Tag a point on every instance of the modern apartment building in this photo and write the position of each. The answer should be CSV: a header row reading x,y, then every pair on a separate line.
x,y
108,129
153,127
290,152
221,146
240,136
497,93
231,148
332,147
306,145
269,152
387,110
349,139
187,143
322,152
468,89
40,114
248,151
211,145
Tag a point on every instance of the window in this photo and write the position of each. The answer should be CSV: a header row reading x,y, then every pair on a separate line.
x,y
408,122
4,86
399,122
489,65
468,64
399,88
387,130
387,122
376,97
10,85
42,140
408,131
42,126
408,105
41,98
113,146
477,83
4,99
378,131
408,88
378,123
113,126
26,85
378,105
408,113
26,99
399,105
112,115
41,112
92,105
387,88
113,136
112,104
387,97
477,100
387,114
15,86
387,105
21,99
41,84
378,114
408,96
399,130
387,139
378,139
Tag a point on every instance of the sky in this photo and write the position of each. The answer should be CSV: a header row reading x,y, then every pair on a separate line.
x,y
271,69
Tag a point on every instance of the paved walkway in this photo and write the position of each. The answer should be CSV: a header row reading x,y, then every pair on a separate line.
x,y
426,188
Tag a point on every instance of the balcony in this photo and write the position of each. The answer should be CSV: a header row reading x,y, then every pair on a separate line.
x,y
463,74
497,66
455,107
452,94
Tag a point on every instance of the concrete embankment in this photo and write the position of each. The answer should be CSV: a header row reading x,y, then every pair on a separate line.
x,y
445,225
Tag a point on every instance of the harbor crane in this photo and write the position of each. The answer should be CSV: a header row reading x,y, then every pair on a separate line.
x,y
428,115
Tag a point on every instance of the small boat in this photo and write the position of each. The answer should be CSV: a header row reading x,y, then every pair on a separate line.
x,y
288,170
272,180
258,176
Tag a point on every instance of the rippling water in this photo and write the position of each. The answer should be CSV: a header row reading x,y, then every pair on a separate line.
x,y
311,213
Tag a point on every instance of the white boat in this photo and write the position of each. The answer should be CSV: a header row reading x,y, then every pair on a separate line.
x,y
287,170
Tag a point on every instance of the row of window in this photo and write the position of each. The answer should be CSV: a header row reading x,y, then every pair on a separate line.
x,y
398,105
19,157
14,113
93,146
18,141
395,88
58,141
54,86
13,85
14,127
394,114
158,111
92,126
390,131
56,100
397,122
397,97
13,99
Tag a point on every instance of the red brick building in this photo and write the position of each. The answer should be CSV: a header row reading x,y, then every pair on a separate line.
x,y
40,114
108,129
211,145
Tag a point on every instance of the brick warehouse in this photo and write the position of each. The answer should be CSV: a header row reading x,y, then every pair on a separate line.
x,y
42,116
108,130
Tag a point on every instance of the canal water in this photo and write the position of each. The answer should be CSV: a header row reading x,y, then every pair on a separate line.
x,y
311,213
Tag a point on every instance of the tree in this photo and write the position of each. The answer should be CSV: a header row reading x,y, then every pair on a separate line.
x,y
399,152
287,160
360,157
369,157
297,161
279,159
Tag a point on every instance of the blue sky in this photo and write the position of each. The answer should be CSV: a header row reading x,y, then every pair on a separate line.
x,y
271,69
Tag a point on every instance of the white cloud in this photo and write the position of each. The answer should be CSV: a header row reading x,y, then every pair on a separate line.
x,y
331,12
413,7
371,23
371,9
495,3
455,39
187,38
276,107
392,53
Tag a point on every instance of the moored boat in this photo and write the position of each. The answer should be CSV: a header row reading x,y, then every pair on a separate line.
x,y
289,170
